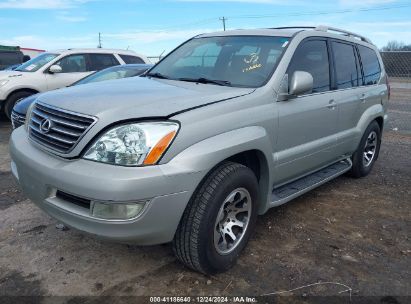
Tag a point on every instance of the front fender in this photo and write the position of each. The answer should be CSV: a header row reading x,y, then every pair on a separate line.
x,y
206,154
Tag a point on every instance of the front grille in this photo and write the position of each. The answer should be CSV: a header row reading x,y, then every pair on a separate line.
x,y
17,119
58,129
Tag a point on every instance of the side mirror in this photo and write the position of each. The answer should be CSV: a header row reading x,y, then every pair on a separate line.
x,y
301,82
55,68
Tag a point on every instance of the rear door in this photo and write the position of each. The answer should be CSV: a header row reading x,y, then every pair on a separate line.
x,y
74,67
308,123
348,80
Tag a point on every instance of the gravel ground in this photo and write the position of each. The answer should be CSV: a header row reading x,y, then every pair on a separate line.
x,y
351,232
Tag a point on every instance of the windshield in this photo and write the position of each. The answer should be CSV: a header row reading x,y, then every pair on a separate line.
x,y
240,61
116,72
36,63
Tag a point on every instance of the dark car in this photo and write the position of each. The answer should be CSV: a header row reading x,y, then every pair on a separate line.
x,y
11,57
18,115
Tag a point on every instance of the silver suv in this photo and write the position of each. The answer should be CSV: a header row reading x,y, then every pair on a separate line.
x,y
225,127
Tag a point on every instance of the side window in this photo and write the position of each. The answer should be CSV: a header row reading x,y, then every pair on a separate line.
x,y
128,59
102,61
312,57
345,65
73,63
370,65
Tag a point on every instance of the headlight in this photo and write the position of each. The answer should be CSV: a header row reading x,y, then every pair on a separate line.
x,y
28,116
3,82
136,144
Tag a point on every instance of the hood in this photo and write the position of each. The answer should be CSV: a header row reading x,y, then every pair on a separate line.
x,y
138,97
6,74
23,105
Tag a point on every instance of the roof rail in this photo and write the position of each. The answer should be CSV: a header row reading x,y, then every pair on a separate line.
x,y
293,27
324,28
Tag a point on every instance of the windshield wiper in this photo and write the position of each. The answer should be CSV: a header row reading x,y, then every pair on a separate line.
x,y
206,80
157,75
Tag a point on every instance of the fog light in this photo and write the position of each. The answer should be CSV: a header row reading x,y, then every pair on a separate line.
x,y
116,211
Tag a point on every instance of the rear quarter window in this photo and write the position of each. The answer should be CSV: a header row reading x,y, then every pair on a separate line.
x,y
370,65
129,59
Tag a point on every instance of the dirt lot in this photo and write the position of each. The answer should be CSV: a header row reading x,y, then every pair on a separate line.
x,y
351,232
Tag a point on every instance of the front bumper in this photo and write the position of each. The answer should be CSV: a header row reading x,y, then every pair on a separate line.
x,y
167,188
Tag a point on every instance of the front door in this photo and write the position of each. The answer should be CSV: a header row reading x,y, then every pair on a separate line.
x,y
74,67
307,124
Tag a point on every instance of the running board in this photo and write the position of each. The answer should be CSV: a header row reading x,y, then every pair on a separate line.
x,y
294,189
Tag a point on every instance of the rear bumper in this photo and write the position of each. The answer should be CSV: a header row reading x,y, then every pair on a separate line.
x,y
165,188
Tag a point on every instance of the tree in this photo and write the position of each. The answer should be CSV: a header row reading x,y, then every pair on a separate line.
x,y
396,46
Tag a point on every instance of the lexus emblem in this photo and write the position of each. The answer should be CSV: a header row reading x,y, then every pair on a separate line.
x,y
45,125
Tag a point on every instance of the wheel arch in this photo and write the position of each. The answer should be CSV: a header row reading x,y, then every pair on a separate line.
x,y
380,121
257,162
250,146
30,90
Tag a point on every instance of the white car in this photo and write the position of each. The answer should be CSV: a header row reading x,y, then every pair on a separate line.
x,y
54,70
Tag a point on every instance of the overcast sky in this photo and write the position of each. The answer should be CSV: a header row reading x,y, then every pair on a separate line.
x,y
151,27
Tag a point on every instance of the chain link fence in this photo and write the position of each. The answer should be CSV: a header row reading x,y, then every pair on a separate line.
x,y
398,68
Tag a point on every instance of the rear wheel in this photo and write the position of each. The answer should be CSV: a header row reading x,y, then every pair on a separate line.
x,y
367,151
219,219
13,99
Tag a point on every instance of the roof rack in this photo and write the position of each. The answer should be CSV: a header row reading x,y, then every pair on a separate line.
x,y
293,27
324,28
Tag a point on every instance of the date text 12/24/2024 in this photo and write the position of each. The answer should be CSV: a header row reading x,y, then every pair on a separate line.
x,y
203,299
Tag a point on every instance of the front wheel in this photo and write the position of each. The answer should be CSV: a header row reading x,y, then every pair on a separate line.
x,y
367,151
218,220
13,99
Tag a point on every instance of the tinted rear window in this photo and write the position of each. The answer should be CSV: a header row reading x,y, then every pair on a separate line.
x,y
102,61
345,65
370,65
128,59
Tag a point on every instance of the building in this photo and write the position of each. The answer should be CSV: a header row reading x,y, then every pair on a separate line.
x,y
31,52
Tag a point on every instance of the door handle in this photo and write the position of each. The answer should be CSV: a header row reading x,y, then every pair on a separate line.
x,y
362,98
332,104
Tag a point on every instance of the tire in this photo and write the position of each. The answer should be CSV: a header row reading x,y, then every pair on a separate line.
x,y
197,244
361,165
13,99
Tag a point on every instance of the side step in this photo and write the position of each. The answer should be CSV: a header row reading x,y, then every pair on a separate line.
x,y
294,189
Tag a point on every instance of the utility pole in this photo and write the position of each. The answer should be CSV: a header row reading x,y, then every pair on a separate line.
x,y
224,19
99,41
